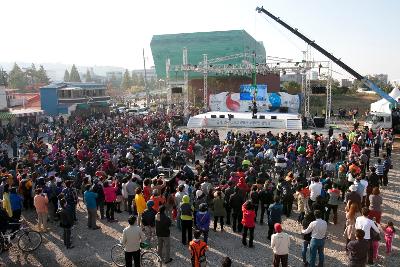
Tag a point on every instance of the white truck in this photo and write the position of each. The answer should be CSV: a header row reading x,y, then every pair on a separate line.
x,y
378,120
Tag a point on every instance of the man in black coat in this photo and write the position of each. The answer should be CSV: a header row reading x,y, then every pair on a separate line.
x,y
66,222
235,202
228,193
163,223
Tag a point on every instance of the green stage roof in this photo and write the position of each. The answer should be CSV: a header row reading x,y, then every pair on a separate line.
x,y
214,44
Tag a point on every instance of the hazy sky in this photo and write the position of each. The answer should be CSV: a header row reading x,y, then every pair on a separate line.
x,y
363,33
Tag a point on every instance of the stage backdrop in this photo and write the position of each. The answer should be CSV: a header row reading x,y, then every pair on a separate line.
x,y
227,101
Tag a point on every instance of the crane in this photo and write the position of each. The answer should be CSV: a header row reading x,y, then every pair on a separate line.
x,y
337,61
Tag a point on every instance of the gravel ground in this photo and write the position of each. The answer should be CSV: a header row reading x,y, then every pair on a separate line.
x,y
92,248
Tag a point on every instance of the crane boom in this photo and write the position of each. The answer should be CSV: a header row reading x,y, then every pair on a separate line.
x,y
340,63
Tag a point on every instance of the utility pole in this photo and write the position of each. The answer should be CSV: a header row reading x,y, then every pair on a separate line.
x,y
145,83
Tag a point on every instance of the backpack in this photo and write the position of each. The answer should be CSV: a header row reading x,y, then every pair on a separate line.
x,y
198,251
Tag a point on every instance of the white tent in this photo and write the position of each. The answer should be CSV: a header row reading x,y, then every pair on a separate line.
x,y
383,105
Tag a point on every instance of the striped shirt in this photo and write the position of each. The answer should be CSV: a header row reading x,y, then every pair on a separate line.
x,y
379,169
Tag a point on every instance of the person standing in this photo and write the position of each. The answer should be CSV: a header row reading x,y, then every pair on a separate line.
x,y
98,188
163,223
248,222
16,203
130,190
379,170
235,202
178,200
131,238
275,215
198,250
309,217
280,243
110,196
375,205
317,229
315,191
365,224
71,197
333,203
41,202
148,221
219,211
89,198
186,211
203,220
387,164
227,194
66,222
140,203
357,250
389,235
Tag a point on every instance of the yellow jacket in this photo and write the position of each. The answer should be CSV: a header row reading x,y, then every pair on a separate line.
x,y
140,203
7,204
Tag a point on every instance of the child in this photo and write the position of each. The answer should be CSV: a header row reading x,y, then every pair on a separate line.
x,y
198,249
389,235
302,195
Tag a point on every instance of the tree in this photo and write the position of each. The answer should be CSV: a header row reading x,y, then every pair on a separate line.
x,y
141,80
88,76
135,79
66,76
3,77
292,87
31,74
126,81
41,75
74,75
17,78
152,84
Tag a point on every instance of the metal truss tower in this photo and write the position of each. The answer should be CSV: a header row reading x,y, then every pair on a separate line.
x,y
328,94
205,85
186,82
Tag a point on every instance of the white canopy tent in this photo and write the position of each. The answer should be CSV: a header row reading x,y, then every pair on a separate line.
x,y
383,105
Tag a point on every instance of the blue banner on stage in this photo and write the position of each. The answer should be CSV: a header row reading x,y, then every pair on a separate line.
x,y
247,92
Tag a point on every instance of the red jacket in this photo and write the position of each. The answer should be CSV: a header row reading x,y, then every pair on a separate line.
x,y
248,217
110,194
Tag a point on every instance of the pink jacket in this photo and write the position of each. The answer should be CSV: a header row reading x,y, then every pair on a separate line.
x,y
110,194
41,203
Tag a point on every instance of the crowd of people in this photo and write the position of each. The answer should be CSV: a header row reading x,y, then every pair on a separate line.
x,y
162,176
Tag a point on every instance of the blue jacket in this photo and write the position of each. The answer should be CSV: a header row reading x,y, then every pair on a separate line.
x,y
90,199
203,220
275,213
16,201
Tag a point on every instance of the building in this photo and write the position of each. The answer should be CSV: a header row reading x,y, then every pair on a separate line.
x,y
345,83
65,98
292,77
150,73
382,78
314,75
116,75
215,44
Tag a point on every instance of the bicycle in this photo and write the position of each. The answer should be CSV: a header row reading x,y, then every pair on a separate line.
x,y
28,240
148,257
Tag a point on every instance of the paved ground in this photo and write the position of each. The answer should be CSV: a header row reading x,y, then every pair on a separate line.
x,y
92,248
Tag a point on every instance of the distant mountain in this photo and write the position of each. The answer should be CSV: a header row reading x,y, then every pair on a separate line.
x,y
56,70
